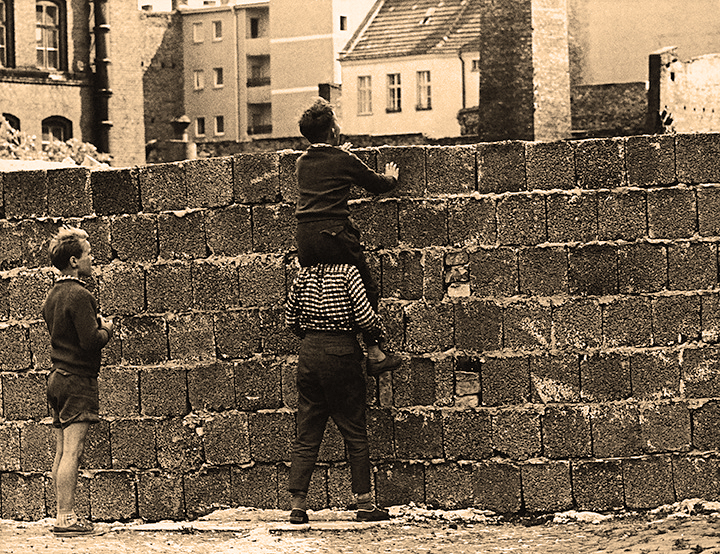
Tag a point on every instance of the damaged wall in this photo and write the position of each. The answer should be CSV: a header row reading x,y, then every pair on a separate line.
x,y
557,304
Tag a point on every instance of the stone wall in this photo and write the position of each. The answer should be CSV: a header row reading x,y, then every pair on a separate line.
x,y
557,304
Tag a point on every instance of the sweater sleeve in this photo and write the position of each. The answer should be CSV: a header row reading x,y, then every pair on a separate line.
x,y
372,181
85,318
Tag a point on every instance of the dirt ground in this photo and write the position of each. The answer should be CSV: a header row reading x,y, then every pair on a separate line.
x,y
687,527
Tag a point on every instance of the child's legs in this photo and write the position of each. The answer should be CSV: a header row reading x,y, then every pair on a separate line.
x,y
70,443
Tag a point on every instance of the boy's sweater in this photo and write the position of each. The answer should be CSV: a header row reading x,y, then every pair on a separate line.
x,y
325,174
71,315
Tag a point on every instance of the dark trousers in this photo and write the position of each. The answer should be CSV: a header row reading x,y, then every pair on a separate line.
x,y
330,383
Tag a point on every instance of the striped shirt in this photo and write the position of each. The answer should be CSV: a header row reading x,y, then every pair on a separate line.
x,y
331,297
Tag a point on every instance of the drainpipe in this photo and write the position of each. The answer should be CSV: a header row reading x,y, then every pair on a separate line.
x,y
462,73
103,92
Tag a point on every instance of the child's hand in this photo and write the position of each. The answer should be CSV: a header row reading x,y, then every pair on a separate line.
x,y
346,146
391,170
107,323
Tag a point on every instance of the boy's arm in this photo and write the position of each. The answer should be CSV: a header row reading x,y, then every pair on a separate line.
x,y
91,334
372,181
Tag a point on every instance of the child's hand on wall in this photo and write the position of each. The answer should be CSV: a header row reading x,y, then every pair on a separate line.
x,y
391,170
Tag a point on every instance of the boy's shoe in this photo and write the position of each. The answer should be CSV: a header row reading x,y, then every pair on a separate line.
x,y
376,514
79,528
390,362
298,516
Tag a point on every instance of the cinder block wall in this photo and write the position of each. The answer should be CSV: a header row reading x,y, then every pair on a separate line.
x,y
557,304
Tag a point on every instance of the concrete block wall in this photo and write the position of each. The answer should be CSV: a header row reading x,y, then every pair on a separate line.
x,y
557,305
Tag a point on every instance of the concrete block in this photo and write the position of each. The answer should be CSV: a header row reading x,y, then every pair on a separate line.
x,y
261,280
592,270
566,431
276,338
433,270
423,223
206,491
600,163
24,395
255,486
710,317
40,345
555,378
144,340
169,287
471,220
450,170
26,194
273,228
402,274
622,214
10,453
655,375
650,160
399,483
181,235
692,266
332,447
411,163
547,486
428,327
69,192
122,289
257,177
665,427
271,436
339,487
381,439
258,384
413,383
99,230
35,236
113,496
549,165
449,486
238,333
605,377
516,433
209,182
160,497
115,191
26,293
418,435
135,237
191,336
598,485
648,482
97,447
672,213
627,321
494,272
11,245
163,392
287,175
616,430
37,444
699,377
133,443
708,210
478,325
505,381
162,187
377,222
119,392
229,230
642,267
215,285
226,439
696,477
572,217
521,220
15,347
22,496
179,446
467,434
543,271
696,157
211,387
577,324
501,167
497,486
676,319
706,419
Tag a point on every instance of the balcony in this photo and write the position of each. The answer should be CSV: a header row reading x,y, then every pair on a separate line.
x,y
258,82
260,130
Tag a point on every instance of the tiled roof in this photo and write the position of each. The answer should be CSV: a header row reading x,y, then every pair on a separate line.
x,y
396,28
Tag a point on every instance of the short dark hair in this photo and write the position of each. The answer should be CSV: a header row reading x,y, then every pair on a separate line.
x,y
316,122
67,243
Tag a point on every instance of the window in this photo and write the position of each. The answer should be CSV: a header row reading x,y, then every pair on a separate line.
x,y
199,79
364,95
197,29
254,27
200,127
13,121
475,65
217,30
56,128
48,33
259,119
219,125
343,23
423,91
5,39
394,103
258,71
219,77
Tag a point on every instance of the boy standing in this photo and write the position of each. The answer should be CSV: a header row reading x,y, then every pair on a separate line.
x,y
77,335
325,234
326,307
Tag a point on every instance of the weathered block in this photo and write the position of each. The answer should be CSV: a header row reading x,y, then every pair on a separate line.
x,y
494,272
505,381
40,345
99,230
543,271
113,496
24,395
22,496
547,486
616,430
467,434
163,391
144,340
10,453
498,486
229,230
261,280
696,477
273,227
160,496
214,284
627,321
598,485
402,274
162,187
377,222
276,338
696,157
471,220
11,246
501,166
706,419
433,271
566,432
450,170
592,270
449,486
226,439
255,486
699,375
271,436
550,165
414,383
710,317
572,217
258,384
400,483
478,326
605,377
35,236
516,433
708,207
600,163
423,223
287,175
411,162
238,333
37,444
692,266
642,267
211,387
122,289
650,160
191,336
665,427
97,447
555,378
133,443
648,482
577,324
26,293
418,435
257,177
69,192
26,194
181,235
381,440
339,487
115,191
676,319
209,182
655,375
179,446
169,287
15,347
521,220
672,213
135,237
622,214
119,392
428,326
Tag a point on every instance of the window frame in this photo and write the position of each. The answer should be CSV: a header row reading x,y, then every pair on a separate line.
x,y
253,27
200,122
197,32
217,25
394,93
56,122
44,30
198,79
218,77
343,23
6,33
219,122
424,90
364,95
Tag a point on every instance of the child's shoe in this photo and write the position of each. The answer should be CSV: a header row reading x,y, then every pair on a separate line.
x,y
298,517
78,528
388,363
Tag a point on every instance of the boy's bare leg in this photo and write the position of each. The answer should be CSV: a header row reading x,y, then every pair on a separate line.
x,y
70,445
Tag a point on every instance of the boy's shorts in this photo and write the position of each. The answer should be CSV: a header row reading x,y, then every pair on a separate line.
x,y
72,398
